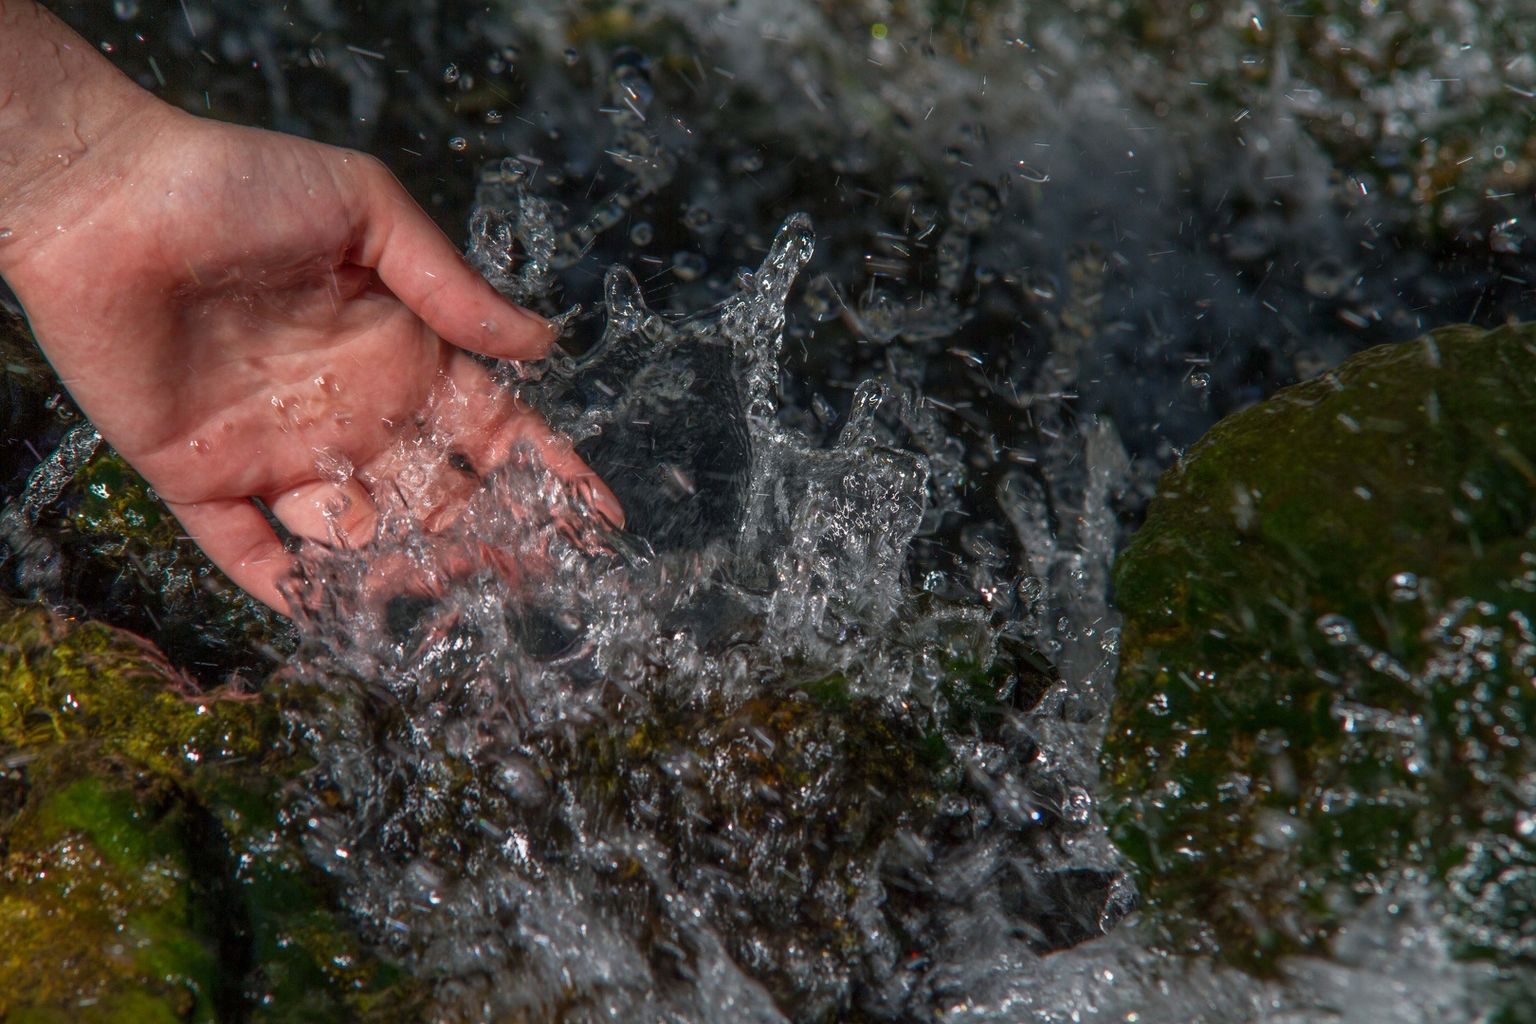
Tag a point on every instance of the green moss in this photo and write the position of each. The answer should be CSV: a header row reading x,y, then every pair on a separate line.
x,y
1328,665
143,872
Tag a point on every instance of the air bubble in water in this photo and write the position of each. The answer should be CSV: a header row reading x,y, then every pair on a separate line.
x,y
458,143
451,73
1031,589
126,10
641,233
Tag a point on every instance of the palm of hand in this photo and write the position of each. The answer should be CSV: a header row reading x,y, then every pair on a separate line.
x,y
264,316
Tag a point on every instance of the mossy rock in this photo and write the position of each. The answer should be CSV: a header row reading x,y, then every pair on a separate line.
x,y
1329,667
143,872
133,562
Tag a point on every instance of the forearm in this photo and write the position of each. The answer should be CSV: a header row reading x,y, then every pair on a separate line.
x,y
60,104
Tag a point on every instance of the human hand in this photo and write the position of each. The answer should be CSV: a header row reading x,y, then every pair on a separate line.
x,y
246,314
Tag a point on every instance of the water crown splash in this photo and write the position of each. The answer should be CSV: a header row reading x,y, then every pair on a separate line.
x,y
729,761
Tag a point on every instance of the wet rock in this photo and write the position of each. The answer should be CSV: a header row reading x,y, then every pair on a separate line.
x,y
143,872
1329,669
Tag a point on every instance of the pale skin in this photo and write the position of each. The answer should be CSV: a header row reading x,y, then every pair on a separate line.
x,y
238,311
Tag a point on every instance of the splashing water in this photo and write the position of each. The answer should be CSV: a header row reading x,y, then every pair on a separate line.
x,y
732,763
727,763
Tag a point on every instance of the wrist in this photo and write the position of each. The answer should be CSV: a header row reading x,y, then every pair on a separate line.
x,y
69,121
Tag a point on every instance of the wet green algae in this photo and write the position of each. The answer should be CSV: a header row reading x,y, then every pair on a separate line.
x,y
1329,663
143,872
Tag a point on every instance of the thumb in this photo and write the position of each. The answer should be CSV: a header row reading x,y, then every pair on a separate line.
x,y
416,261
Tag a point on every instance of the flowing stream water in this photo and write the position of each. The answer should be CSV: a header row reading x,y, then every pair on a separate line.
x,y
881,323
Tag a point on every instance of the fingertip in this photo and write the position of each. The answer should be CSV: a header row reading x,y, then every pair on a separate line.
x,y
508,331
425,271
237,538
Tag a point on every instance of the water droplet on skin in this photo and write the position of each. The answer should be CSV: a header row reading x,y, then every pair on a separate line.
x,y
1199,380
333,466
458,143
5,233
199,446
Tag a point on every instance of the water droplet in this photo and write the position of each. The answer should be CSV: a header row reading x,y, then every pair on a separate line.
x,y
642,233
333,466
688,266
199,446
5,233
1200,380
451,73
974,206
1326,278
458,143
1338,630
1404,586
821,298
493,117
1504,237
746,163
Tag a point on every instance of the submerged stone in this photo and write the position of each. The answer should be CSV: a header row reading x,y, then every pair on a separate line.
x,y
1329,668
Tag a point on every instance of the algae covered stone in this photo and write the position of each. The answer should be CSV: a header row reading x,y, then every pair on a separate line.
x,y
1329,671
143,872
